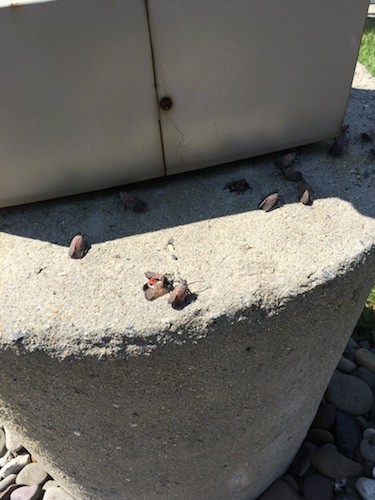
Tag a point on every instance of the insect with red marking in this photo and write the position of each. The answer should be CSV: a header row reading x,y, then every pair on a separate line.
x,y
179,295
157,285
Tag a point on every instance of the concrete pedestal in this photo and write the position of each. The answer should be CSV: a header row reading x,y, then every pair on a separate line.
x,y
123,398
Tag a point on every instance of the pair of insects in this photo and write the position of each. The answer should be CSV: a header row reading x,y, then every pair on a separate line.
x,y
160,284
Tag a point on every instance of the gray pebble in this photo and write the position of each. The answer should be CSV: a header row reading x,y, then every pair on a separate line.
x,y
13,442
7,481
5,458
367,433
325,416
14,465
366,376
32,474
365,358
2,443
367,450
346,366
362,423
317,487
26,493
334,465
56,493
278,489
350,349
349,394
366,488
320,436
49,484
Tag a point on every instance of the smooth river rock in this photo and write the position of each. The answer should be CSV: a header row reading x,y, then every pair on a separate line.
x,y
363,357
367,451
325,416
346,366
32,474
331,463
349,394
279,491
366,376
317,487
56,493
366,488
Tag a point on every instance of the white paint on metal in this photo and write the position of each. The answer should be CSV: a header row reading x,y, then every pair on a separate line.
x,y
16,3
248,78
78,109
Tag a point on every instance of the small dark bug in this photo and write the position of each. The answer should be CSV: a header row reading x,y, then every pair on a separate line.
x,y
304,193
269,202
291,175
286,160
179,294
368,136
238,187
157,285
79,246
340,143
132,202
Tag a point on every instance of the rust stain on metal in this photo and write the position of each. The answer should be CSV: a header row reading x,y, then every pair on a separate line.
x,y
165,103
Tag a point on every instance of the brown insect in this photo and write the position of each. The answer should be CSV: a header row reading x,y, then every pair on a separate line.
x,y
304,193
286,160
269,202
157,285
238,187
132,202
179,294
79,246
340,143
368,136
291,175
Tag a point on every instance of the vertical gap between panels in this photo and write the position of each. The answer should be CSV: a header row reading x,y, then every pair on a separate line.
x,y
155,84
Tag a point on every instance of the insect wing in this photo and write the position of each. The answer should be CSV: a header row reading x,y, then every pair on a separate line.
x,y
132,202
292,175
156,291
77,247
305,193
178,295
268,202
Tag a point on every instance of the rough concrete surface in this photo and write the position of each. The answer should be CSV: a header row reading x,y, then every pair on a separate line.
x,y
125,398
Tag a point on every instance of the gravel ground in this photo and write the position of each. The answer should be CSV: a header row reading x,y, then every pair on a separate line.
x,y
337,458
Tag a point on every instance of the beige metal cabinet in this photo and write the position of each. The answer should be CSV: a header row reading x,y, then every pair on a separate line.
x,y
78,109
84,84
249,77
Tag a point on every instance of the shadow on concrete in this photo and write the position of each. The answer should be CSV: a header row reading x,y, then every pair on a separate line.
x,y
195,196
